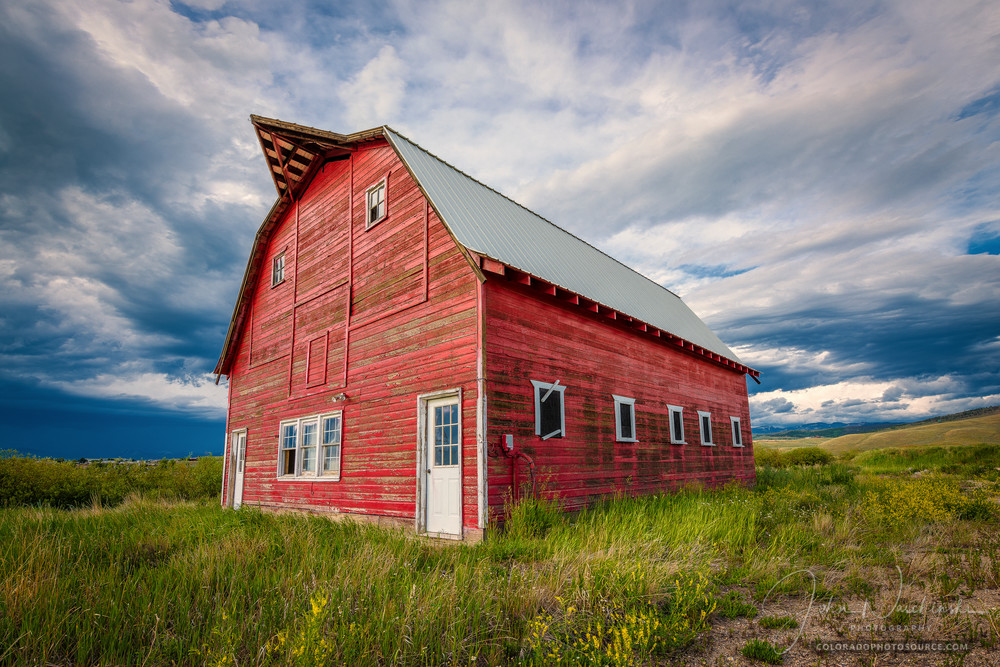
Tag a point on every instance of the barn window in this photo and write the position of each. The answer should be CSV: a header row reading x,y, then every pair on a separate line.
x,y
278,270
624,419
676,424
737,432
310,447
375,204
550,411
705,420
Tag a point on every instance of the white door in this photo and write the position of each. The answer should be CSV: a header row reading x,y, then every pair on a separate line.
x,y
240,452
443,470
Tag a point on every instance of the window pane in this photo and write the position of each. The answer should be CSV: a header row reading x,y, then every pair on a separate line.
x,y
331,430
437,455
288,436
309,459
551,409
454,455
625,419
678,426
309,434
331,458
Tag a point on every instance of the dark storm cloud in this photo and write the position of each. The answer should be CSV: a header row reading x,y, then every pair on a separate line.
x,y
811,177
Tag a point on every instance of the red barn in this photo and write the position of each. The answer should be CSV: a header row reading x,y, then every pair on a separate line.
x,y
409,344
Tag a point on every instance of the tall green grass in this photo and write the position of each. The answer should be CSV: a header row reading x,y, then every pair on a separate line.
x,y
631,581
970,461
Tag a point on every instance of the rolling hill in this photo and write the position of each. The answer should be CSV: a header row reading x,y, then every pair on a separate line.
x,y
971,428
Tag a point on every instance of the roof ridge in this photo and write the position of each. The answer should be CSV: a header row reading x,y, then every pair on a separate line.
x,y
542,218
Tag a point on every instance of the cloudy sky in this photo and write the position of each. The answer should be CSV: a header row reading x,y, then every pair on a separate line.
x,y
819,181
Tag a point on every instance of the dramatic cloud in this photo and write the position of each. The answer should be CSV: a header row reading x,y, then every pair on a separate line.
x,y
818,180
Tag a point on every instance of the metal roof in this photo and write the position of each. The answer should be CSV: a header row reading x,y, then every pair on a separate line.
x,y
488,223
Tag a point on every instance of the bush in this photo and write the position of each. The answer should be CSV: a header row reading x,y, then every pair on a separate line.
x,y
67,484
894,503
803,456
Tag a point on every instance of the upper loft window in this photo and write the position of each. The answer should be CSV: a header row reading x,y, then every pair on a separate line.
x,y
375,204
737,432
550,410
624,419
705,420
278,270
676,424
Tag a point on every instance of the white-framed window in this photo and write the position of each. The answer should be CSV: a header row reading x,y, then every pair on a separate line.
x,y
705,421
737,431
375,204
676,424
278,269
624,419
550,409
310,447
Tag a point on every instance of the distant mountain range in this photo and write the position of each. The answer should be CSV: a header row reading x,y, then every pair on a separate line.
x,y
837,429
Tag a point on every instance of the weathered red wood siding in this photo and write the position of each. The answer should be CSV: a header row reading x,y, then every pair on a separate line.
x,y
411,329
532,336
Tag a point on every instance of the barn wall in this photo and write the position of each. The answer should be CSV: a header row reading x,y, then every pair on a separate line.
x,y
382,315
531,336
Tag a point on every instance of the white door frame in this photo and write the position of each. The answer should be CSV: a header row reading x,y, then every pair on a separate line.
x,y
232,464
421,514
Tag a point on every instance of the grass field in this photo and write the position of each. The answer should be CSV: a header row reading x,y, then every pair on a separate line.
x,y
735,576
787,443
980,430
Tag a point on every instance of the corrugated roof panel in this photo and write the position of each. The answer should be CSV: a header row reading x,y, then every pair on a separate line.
x,y
488,223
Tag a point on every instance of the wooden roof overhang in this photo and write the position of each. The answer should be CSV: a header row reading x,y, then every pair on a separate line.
x,y
294,154
499,269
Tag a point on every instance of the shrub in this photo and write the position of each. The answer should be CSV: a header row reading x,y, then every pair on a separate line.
x,y
808,456
624,627
803,456
929,499
67,484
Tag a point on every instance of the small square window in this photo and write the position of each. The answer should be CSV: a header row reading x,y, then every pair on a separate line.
x,y
278,270
550,411
737,432
676,424
624,419
375,204
705,420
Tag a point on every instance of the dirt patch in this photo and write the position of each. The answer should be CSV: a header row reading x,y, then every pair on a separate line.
x,y
912,624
